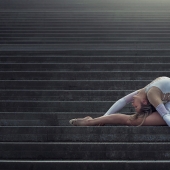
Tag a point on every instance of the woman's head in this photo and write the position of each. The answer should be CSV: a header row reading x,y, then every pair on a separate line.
x,y
139,102
142,107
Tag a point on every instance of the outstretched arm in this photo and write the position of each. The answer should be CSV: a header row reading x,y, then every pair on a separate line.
x,y
120,103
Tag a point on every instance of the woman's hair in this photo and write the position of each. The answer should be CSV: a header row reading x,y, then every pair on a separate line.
x,y
144,112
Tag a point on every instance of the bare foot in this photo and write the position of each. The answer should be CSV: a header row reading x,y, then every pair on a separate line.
x,y
80,121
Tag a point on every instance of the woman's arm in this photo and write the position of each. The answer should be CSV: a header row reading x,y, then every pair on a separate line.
x,y
120,103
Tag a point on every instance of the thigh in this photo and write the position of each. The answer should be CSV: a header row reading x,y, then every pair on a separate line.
x,y
153,119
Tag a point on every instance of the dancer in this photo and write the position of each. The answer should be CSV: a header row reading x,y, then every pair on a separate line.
x,y
151,103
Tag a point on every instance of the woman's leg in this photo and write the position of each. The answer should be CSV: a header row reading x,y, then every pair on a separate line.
x,y
119,119
153,119
115,119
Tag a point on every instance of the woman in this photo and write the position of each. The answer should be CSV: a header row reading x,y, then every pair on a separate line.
x,y
151,103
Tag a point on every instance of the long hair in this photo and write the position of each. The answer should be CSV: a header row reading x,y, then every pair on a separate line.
x,y
144,112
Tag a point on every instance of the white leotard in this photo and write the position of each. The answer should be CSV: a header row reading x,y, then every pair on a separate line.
x,y
163,83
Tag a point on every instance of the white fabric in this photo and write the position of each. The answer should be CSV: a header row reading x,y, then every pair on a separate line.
x,y
120,103
167,119
167,116
164,111
167,106
163,83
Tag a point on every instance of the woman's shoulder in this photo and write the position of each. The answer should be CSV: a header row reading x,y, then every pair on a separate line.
x,y
154,91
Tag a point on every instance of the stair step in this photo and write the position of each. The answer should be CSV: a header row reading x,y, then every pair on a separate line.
x,y
84,165
99,14
119,58
84,134
65,23
70,41
42,118
45,118
81,67
59,95
85,42
86,29
58,106
85,35
80,20
81,75
73,84
84,151
99,47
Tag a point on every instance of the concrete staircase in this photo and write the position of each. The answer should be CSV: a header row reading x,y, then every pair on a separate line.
x,y
66,59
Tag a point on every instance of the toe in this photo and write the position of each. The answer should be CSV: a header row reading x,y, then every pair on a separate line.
x,y
73,121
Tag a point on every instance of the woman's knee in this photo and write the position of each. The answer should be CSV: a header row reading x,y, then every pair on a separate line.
x,y
125,119
129,122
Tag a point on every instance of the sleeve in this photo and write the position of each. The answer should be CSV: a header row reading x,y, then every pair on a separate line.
x,y
118,105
